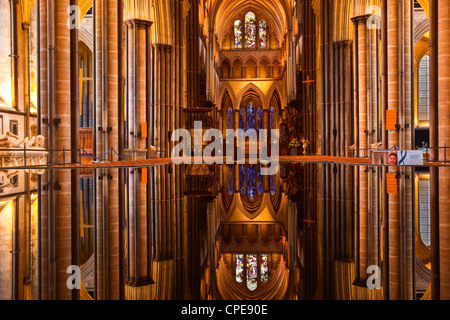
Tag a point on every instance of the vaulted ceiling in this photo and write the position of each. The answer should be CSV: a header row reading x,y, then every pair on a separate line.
x,y
223,13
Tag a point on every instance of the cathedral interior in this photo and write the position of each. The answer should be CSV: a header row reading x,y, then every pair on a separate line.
x,y
93,91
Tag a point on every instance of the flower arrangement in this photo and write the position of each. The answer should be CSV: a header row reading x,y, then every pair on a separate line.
x,y
295,143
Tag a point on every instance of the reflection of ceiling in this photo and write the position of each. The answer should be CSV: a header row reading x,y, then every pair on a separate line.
x,y
224,12
275,289
238,238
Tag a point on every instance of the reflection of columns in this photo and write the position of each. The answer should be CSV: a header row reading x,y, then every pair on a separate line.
x,y
362,145
59,104
444,140
139,136
237,181
14,55
434,142
107,105
400,206
27,133
163,116
138,48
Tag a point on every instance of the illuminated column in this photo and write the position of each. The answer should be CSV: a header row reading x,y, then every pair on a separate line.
x,y
139,54
362,102
59,113
399,96
444,140
109,100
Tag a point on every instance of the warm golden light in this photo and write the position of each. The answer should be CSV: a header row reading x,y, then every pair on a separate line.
x,y
33,98
5,94
6,212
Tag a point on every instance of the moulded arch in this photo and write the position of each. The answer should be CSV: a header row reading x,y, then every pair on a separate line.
x,y
246,89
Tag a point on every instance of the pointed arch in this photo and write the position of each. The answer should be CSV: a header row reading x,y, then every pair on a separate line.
x,y
226,68
277,89
251,66
277,12
250,87
225,89
85,6
425,4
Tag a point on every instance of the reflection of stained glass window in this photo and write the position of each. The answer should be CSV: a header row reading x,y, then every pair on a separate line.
x,y
252,272
273,185
263,34
238,34
230,180
230,119
260,182
250,30
240,268
242,179
251,181
264,268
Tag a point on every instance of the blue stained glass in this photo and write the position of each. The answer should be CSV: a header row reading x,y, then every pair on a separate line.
x,y
251,116
251,181
240,268
272,118
238,34
242,179
230,180
230,119
273,185
260,119
242,119
260,182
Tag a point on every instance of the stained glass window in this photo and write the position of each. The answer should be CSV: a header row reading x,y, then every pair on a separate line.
x,y
264,268
238,34
230,119
240,268
260,182
242,119
263,34
252,272
251,183
273,185
272,118
260,119
242,179
250,30
230,180
251,116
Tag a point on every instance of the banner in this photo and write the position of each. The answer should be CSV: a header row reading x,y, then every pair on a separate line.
x,y
398,158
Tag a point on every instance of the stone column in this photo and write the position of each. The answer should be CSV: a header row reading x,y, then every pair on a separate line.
x,y
399,95
444,140
57,79
107,104
360,25
138,49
